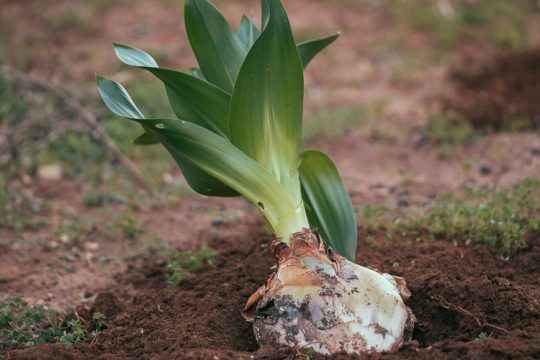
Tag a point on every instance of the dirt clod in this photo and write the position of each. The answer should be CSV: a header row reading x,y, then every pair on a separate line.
x,y
501,94
106,304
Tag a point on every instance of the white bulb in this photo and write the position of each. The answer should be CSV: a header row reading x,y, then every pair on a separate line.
x,y
319,300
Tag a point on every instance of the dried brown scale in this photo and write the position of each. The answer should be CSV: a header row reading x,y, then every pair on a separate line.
x,y
317,299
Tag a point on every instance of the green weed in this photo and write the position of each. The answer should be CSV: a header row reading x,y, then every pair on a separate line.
x,y
482,336
22,324
126,225
18,213
76,231
183,262
448,132
372,217
102,198
502,218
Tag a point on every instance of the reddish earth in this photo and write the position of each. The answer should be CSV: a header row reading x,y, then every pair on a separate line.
x,y
501,93
469,302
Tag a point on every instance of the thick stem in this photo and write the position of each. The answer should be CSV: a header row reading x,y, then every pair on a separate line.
x,y
291,222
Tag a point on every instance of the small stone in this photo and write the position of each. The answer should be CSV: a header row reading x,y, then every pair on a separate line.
x,y
36,208
71,269
403,201
485,169
91,246
51,245
167,178
535,151
218,220
50,172
64,238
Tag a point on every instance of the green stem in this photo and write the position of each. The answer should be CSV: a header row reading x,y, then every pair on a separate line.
x,y
289,223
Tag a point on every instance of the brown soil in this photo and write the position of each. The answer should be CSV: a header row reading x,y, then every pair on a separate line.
x,y
501,93
469,301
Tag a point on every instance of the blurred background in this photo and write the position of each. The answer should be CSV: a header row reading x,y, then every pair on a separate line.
x,y
416,99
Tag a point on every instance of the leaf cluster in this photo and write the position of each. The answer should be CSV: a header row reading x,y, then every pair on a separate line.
x,y
238,125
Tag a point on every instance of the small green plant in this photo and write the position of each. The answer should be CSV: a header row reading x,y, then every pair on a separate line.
x,y
18,213
482,336
502,218
125,225
372,216
73,333
102,198
77,231
447,130
184,262
22,324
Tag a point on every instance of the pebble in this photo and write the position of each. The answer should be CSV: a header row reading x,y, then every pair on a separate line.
x,y
485,169
403,201
218,220
50,172
91,246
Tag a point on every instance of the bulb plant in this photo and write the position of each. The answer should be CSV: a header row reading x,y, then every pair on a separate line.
x,y
238,132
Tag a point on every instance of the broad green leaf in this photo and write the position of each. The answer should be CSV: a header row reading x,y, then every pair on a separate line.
x,y
146,139
119,102
117,99
265,118
218,49
309,49
191,99
328,205
134,57
248,32
219,158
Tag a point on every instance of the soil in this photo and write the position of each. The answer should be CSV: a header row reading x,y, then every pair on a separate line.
x,y
470,302
501,93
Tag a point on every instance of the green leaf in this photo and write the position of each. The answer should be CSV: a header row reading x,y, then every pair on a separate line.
x,y
328,206
191,99
248,32
117,99
218,49
133,56
265,118
219,158
119,102
309,49
146,139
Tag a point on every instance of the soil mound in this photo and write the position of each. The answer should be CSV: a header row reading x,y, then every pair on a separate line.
x,y
469,301
502,94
